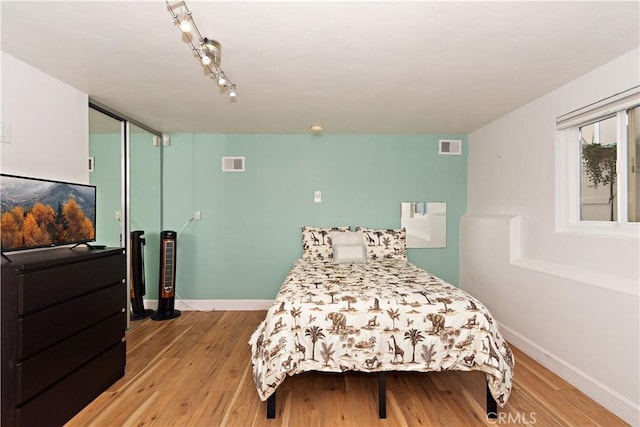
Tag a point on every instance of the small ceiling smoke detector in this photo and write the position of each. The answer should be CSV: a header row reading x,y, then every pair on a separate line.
x,y
316,129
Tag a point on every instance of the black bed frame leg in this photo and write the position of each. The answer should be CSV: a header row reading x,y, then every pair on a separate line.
x,y
492,405
382,395
271,406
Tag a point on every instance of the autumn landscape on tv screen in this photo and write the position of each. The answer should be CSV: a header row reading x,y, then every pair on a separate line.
x,y
37,213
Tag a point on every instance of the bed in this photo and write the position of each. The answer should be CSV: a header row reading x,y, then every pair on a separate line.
x,y
353,302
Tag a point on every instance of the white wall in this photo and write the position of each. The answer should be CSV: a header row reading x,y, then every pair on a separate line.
x,y
49,125
569,301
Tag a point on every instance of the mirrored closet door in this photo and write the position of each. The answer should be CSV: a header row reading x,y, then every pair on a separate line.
x,y
126,167
145,206
106,172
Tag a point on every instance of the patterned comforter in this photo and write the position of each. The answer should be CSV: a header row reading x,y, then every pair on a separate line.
x,y
386,315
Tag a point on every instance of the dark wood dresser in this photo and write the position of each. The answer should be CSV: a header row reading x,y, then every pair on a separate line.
x,y
63,332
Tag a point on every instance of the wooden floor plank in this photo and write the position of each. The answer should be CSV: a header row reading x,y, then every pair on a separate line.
x,y
195,370
180,409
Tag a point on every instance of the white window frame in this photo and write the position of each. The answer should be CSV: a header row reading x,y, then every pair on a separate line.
x,y
568,167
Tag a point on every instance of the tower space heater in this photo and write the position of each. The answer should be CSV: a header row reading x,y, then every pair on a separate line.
x,y
167,282
137,288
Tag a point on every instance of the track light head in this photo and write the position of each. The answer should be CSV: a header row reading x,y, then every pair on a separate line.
x,y
214,48
185,23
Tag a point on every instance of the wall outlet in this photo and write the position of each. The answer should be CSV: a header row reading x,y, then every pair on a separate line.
x,y
317,196
196,215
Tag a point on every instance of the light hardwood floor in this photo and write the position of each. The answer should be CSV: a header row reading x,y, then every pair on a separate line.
x,y
195,370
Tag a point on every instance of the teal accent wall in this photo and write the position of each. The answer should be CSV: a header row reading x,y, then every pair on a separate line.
x,y
249,234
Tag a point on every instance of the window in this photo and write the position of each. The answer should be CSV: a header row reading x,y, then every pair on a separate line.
x,y
598,184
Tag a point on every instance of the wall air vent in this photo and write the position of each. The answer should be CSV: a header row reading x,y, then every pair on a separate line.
x,y
450,146
233,164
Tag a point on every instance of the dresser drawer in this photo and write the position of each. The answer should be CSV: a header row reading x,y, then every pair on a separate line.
x,y
46,367
46,327
44,288
59,403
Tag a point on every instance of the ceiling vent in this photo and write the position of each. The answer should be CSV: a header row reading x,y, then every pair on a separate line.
x,y
233,164
450,146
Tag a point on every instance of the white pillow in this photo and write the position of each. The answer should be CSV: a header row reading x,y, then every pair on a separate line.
x,y
348,247
349,253
346,238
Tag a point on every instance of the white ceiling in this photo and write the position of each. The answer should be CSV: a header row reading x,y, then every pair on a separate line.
x,y
354,67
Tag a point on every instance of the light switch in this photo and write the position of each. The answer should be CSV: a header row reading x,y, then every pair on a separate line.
x,y
317,196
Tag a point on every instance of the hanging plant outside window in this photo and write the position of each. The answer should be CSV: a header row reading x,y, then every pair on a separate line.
x,y
599,162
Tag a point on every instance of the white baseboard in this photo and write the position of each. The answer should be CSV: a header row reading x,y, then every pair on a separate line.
x,y
621,406
215,304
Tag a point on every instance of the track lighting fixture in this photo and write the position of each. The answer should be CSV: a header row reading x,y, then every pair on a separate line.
x,y
209,51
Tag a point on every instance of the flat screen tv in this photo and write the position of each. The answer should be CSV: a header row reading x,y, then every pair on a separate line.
x,y
38,213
